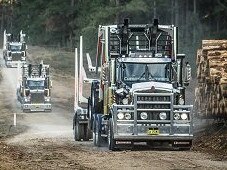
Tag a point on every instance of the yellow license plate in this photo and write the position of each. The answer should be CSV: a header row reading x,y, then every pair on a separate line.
x,y
153,132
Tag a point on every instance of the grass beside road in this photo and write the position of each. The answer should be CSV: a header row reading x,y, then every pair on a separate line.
x,y
60,61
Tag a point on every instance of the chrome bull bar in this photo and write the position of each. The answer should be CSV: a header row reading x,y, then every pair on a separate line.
x,y
153,103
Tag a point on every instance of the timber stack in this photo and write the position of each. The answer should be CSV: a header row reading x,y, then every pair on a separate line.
x,y
211,90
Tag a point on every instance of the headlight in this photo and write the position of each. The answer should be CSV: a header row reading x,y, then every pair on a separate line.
x,y
26,99
184,116
125,101
82,117
23,54
128,116
143,115
120,115
176,116
47,99
181,101
162,115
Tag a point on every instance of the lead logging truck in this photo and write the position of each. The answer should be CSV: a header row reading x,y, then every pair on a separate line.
x,y
14,49
140,96
34,88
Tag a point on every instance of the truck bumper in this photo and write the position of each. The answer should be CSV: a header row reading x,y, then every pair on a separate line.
x,y
172,141
178,135
14,63
153,138
37,107
159,141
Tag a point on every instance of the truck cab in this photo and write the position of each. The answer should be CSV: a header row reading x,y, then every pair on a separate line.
x,y
14,51
34,90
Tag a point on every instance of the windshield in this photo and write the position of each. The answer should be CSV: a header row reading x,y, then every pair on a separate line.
x,y
32,84
143,72
15,47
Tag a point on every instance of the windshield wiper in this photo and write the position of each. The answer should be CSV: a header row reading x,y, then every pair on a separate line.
x,y
147,75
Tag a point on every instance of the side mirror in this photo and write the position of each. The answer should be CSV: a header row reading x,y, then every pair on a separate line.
x,y
188,74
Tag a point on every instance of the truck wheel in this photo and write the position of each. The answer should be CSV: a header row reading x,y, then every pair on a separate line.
x,y
78,131
17,96
48,110
111,141
90,116
87,133
25,110
97,138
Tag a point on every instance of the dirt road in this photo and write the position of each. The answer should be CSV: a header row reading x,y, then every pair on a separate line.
x,y
47,141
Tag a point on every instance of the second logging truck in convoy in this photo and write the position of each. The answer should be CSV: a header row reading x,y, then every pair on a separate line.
x,y
140,96
34,88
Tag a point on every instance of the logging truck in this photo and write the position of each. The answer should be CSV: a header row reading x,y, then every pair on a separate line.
x,y
14,49
140,94
34,88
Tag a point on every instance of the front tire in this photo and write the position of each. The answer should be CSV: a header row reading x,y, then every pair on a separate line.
x,y
78,131
111,141
97,138
87,133
90,116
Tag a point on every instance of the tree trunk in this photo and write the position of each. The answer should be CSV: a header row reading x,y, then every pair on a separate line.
x,y
194,8
176,13
186,22
155,10
2,19
71,27
72,3
11,16
117,2
172,11
194,27
218,23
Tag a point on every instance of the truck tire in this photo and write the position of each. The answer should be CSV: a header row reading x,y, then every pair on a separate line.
x,y
87,133
18,99
78,129
111,141
26,110
94,98
97,138
89,115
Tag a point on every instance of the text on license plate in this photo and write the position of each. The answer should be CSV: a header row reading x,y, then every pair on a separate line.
x,y
153,132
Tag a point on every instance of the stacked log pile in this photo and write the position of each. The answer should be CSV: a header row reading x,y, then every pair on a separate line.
x,y
211,90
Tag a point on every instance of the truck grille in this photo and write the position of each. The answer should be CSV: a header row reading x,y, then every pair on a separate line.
x,y
37,97
16,56
153,104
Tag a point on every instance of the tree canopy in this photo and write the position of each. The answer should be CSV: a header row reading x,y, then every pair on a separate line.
x,y
61,22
